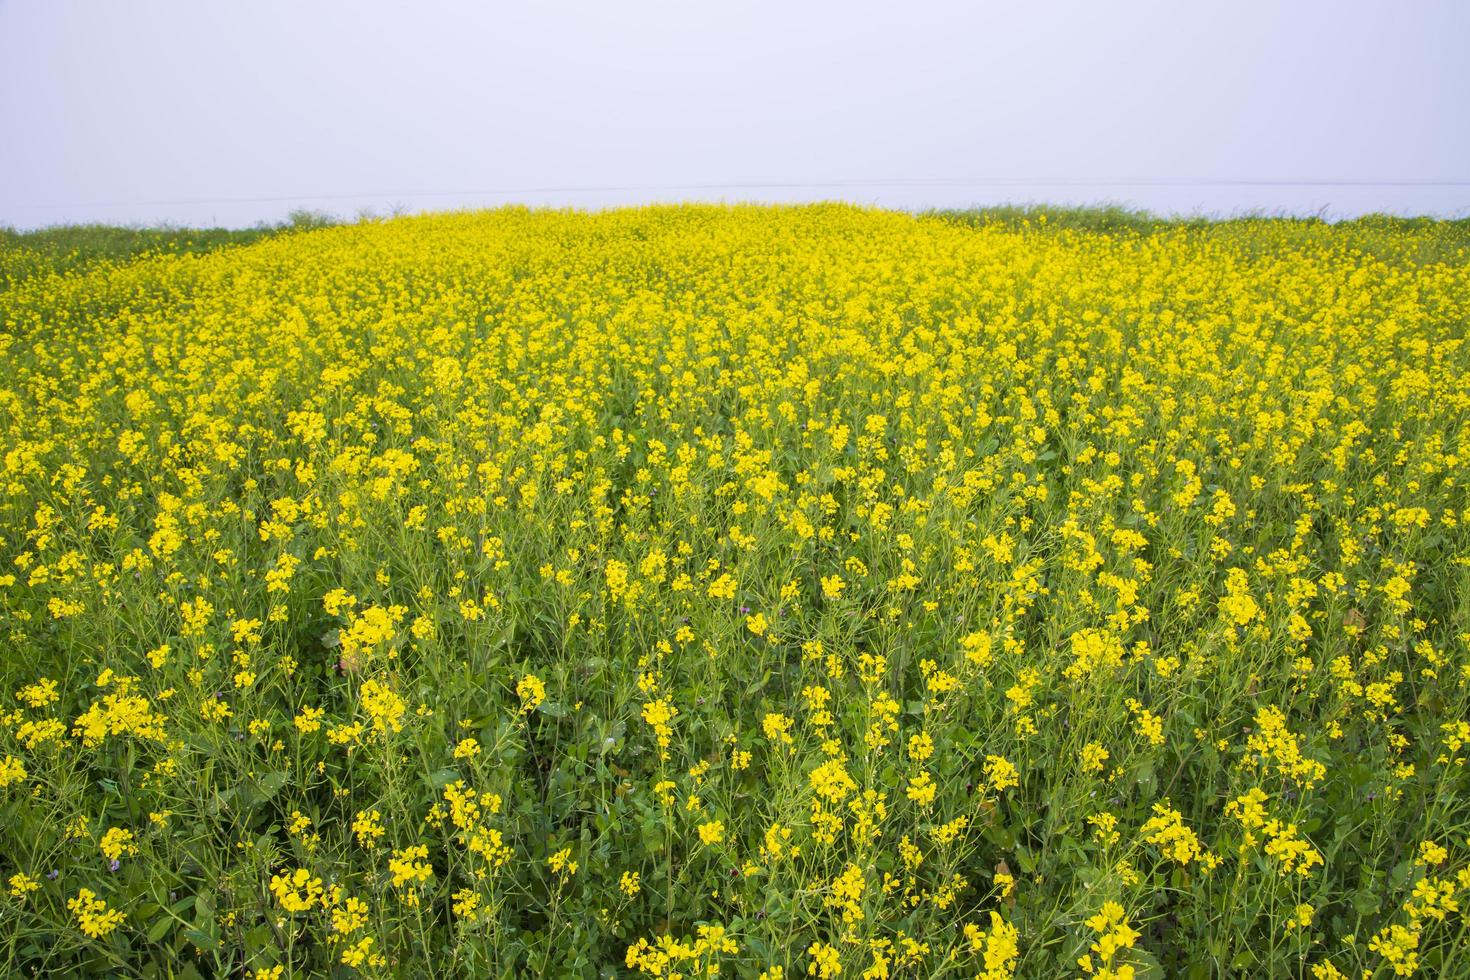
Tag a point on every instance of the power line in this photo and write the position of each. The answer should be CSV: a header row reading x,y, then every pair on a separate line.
x,y
956,182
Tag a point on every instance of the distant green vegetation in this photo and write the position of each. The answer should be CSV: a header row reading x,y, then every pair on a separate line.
x,y
1118,218
1384,236
1109,218
64,248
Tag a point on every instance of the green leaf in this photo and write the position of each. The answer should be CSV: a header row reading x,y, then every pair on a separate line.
x,y
159,928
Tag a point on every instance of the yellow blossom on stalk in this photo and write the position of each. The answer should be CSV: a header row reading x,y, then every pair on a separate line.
x,y
92,914
561,863
722,587
1000,774
977,648
921,789
1092,651
1275,747
1104,828
361,954
825,961
297,891
410,867
11,771
309,720
1399,947
777,728
660,715
384,708
1094,757
1113,934
367,631
531,692
466,904
1292,853
846,894
348,914
696,955
1166,831
921,747
664,790
1431,854
40,694
1238,605
1147,724
116,843
1300,918
367,827
998,947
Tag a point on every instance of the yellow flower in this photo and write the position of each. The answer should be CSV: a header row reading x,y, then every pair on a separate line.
x,y
361,954
92,914
1431,854
309,720
297,891
116,843
659,715
410,866
561,863
11,771
825,961
531,692
777,727
1167,831
348,915
22,884
466,904
367,826
921,789
384,708
1094,757
1001,774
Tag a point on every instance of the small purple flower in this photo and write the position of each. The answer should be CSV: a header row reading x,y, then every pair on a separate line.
x,y
114,864
53,875
744,610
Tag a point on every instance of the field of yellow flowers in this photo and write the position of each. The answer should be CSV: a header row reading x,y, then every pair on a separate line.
x,y
761,592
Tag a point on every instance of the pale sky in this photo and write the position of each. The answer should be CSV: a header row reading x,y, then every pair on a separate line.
x,y
233,113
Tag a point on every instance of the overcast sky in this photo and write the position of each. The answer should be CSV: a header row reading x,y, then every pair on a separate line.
x,y
233,113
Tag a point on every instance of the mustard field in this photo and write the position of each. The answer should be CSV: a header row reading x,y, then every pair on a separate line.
x,y
746,592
